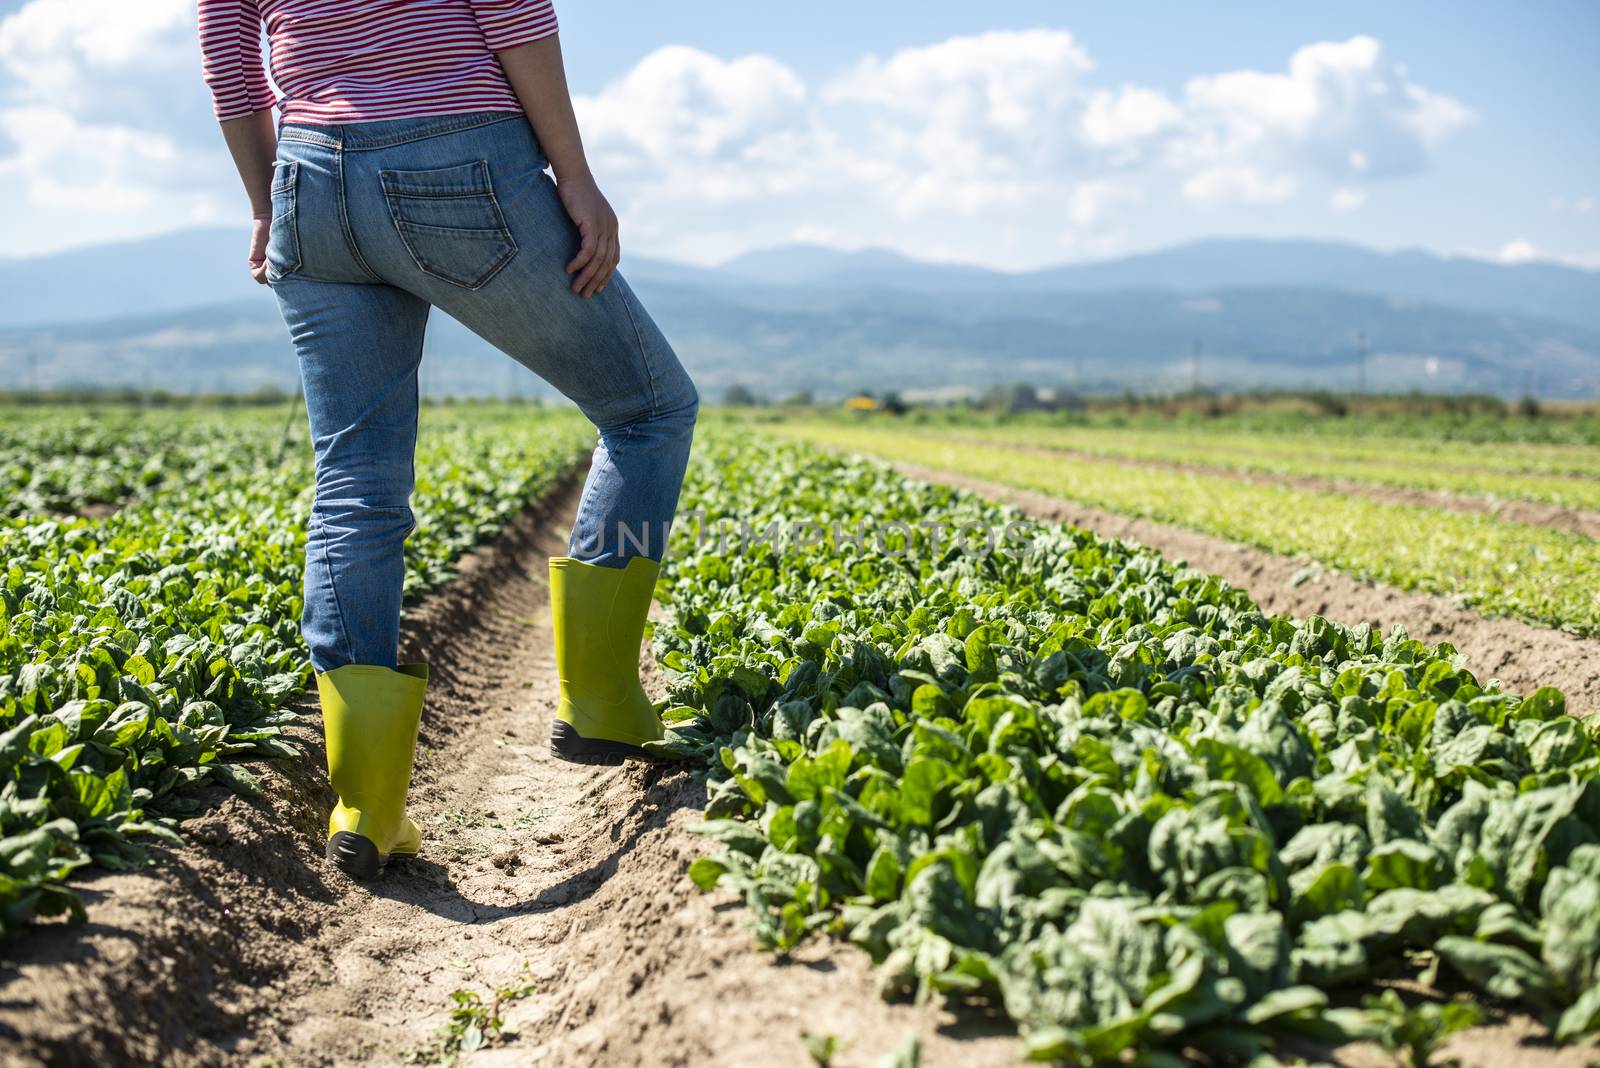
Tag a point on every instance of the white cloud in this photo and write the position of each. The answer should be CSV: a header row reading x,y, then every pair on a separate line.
x,y
969,125
680,101
1518,251
92,181
64,163
70,52
1091,201
1343,110
1125,121
949,151
1347,198
1243,185
1521,250
105,128
993,82
996,147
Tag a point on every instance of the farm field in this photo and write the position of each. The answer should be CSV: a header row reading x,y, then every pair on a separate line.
x,y
1054,795
1535,573
147,649
962,760
1413,420
1558,475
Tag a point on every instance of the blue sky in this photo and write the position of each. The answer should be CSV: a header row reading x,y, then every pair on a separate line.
x,y
1008,133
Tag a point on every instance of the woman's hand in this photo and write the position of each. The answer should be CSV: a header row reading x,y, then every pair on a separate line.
x,y
539,77
600,247
260,227
253,143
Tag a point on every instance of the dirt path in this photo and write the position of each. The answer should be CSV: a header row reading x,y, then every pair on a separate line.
x,y
1523,657
246,949
1513,509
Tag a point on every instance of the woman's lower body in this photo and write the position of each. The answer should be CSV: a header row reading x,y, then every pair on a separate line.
x,y
375,224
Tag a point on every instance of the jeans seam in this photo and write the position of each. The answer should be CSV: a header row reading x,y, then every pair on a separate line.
x,y
442,130
471,121
583,505
644,356
627,436
344,220
627,433
289,190
347,647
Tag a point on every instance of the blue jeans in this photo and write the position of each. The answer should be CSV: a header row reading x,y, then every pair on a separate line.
x,y
373,225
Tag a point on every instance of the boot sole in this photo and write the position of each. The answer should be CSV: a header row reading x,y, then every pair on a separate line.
x,y
567,744
357,856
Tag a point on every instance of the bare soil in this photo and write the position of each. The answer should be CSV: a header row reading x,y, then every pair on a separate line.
x,y
1512,509
245,948
1521,656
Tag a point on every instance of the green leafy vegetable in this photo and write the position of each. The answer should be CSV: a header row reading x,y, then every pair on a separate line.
x,y
1107,794
149,651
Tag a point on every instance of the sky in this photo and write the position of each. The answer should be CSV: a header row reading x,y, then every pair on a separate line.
x,y
1013,133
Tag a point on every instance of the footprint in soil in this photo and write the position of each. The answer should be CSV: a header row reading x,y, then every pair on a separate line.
x,y
429,885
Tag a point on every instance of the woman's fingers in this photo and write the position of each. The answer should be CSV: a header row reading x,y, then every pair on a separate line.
x,y
601,265
260,230
586,282
609,266
586,251
590,256
613,257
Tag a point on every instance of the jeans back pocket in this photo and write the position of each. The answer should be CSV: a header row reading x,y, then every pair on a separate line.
x,y
450,222
283,238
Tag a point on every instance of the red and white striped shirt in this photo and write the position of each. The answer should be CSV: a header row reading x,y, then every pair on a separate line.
x,y
339,61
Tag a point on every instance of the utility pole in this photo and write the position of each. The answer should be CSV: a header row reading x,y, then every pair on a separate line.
x,y
1194,369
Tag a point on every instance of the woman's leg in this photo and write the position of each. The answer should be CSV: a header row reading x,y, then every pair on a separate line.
x,y
607,355
631,493
359,348
470,223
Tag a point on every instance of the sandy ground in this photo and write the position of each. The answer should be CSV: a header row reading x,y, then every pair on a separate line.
x,y
246,949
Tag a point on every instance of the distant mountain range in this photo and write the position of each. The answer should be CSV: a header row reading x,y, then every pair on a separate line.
x,y
179,312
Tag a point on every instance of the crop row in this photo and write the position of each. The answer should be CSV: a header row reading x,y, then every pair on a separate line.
x,y
1306,438
1539,574
1453,469
1373,419
1053,773
64,461
154,649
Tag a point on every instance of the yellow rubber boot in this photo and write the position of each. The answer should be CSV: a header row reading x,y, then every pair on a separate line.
x,y
604,716
370,717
